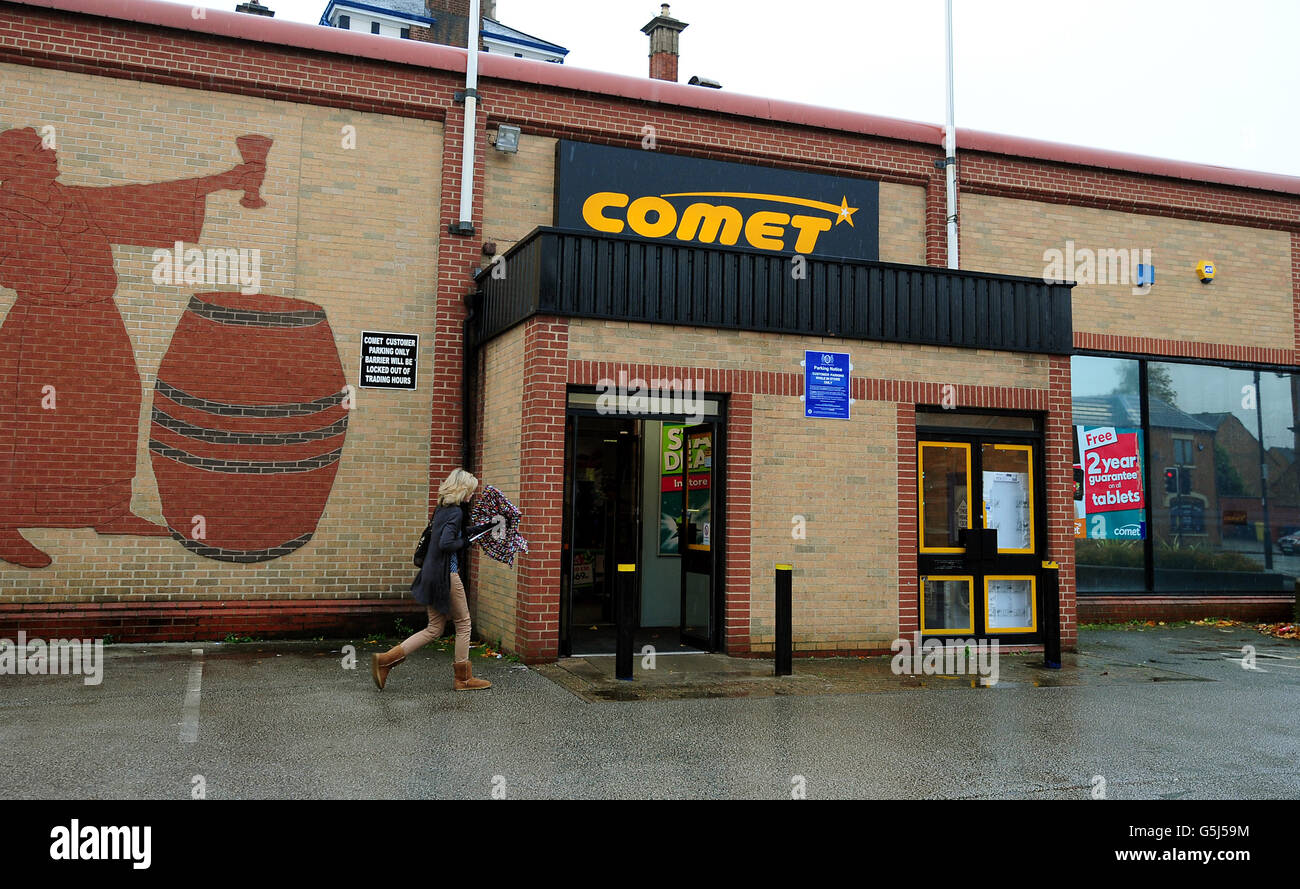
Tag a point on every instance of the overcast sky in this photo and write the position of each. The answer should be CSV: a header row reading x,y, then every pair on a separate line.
x,y
1196,80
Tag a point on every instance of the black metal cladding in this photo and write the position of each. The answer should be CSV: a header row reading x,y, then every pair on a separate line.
x,y
578,274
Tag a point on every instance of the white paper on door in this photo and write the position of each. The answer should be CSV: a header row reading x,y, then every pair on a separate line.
x,y
1006,505
1010,603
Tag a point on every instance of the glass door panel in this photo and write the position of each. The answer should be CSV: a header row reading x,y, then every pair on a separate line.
x,y
1011,604
696,536
1007,474
946,604
944,469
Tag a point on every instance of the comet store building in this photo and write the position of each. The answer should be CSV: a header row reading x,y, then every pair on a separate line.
x,y
683,329
745,383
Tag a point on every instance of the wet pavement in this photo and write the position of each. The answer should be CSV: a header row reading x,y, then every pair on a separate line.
x,y
1154,713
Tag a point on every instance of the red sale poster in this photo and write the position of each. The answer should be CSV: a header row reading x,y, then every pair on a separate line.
x,y
1112,473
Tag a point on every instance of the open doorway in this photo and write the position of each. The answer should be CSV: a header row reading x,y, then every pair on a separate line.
x,y
646,492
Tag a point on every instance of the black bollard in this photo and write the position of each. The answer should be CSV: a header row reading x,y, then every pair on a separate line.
x,y
624,621
784,619
1050,605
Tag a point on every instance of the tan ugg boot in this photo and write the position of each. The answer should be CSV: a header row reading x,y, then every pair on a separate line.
x,y
465,680
380,664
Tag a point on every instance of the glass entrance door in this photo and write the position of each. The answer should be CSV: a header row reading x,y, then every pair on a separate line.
x,y
980,534
648,492
697,536
603,522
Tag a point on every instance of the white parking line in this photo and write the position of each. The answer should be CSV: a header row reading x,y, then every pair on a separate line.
x,y
190,709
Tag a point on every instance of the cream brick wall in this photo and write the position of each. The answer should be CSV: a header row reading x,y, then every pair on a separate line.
x,y
353,231
503,393
771,353
1249,303
902,223
842,478
519,191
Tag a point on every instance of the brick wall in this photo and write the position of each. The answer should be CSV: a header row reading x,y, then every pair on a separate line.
x,y
902,223
303,98
495,586
520,191
1250,303
312,247
853,483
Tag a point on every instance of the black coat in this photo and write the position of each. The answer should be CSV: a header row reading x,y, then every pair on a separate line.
x,y
432,586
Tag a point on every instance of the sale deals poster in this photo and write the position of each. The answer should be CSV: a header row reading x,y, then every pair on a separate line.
x,y
1113,501
670,488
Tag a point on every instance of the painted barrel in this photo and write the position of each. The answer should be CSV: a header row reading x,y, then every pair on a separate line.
x,y
248,423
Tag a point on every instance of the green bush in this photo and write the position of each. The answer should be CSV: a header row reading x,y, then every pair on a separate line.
x,y
1109,553
1169,554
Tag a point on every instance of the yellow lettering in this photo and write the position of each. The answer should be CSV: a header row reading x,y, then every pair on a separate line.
x,y
665,223
809,228
593,211
709,220
765,230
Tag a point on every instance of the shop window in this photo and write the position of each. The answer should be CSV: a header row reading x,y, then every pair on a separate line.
x,y
1230,434
1109,524
1220,503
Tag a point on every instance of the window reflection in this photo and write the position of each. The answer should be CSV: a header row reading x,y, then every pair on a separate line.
x,y
1221,479
1223,446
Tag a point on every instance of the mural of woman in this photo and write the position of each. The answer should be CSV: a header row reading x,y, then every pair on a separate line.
x,y
70,392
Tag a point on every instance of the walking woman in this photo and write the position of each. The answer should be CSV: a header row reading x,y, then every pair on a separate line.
x,y
438,585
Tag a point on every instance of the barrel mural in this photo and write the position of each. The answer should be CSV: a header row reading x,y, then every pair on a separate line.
x,y
249,409
248,423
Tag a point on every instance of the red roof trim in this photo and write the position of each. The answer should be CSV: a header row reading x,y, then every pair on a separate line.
x,y
241,26
1018,146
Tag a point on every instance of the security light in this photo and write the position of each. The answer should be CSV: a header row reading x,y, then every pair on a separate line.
x,y
508,139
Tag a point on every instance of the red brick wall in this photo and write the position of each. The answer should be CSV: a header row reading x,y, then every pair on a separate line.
x,y
541,460
1116,609
663,66
184,621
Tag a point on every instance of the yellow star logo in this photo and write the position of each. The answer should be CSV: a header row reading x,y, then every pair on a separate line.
x,y
846,212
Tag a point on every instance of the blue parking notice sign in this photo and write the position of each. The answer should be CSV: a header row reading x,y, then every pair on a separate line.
x,y
826,385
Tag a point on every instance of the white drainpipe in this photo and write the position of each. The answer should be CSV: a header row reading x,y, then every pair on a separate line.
x,y
466,223
950,156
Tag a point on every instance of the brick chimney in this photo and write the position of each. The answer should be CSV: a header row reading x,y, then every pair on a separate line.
x,y
663,30
255,8
451,22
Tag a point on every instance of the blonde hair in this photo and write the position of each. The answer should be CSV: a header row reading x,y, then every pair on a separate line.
x,y
457,488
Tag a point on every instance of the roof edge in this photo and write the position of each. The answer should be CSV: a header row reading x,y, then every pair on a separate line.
x,y
260,29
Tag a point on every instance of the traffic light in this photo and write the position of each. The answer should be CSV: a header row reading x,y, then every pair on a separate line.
x,y
1178,479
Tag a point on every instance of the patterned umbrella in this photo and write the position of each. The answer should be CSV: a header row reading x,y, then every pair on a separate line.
x,y
503,541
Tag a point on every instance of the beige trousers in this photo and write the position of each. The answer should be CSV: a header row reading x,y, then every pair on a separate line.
x,y
438,622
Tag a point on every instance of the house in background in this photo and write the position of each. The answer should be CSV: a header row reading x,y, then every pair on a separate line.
x,y
438,21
